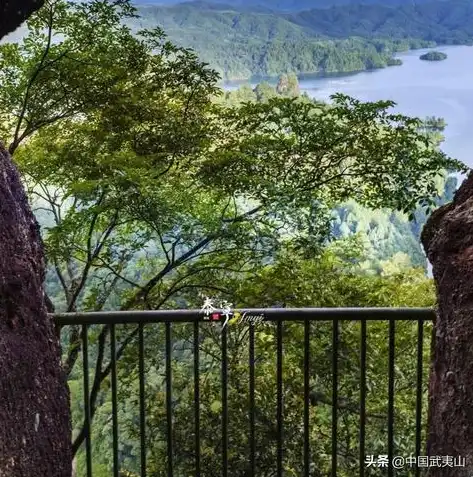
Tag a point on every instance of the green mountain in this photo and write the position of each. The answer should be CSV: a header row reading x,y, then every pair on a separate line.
x,y
442,22
288,5
245,41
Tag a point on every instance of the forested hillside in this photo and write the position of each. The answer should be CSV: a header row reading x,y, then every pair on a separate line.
x,y
240,43
442,22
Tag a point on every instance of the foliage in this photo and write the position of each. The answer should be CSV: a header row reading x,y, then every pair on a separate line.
x,y
288,85
45,81
385,233
348,149
241,43
433,56
293,282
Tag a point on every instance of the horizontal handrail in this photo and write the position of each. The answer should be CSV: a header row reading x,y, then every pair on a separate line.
x,y
270,314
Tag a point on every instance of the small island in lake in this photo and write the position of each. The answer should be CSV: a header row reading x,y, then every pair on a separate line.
x,y
434,56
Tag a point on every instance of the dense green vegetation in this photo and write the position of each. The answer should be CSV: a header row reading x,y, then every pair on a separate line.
x,y
154,188
433,56
385,234
442,22
240,44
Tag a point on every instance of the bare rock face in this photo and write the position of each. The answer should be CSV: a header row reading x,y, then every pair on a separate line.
x,y
448,240
35,430
14,12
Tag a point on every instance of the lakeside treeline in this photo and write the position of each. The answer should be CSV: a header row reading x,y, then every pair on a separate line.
x,y
240,43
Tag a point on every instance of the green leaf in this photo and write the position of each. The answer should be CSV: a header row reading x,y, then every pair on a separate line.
x,y
216,407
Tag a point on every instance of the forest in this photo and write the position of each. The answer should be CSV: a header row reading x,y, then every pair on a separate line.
x,y
433,56
240,44
154,188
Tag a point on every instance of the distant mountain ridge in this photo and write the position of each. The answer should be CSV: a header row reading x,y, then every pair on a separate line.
x,y
446,22
288,5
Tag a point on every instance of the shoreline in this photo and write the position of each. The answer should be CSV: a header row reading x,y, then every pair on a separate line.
x,y
300,76
318,75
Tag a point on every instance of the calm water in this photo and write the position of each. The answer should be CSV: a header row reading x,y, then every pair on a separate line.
x,y
420,88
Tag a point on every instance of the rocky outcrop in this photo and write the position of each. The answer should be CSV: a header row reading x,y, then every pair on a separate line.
x,y
35,432
35,428
448,240
14,12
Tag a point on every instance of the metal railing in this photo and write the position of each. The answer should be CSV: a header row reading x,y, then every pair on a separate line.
x,y
278,319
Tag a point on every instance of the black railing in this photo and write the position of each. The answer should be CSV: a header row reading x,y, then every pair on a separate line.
x,y
108,357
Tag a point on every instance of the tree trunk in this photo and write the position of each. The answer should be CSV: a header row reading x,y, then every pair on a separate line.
x,y
35,430
448,240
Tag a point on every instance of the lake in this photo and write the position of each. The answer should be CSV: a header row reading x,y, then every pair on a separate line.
x,y
420,88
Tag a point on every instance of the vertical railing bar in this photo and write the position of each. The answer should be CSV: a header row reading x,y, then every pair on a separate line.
x,y
306,397
420,351
392,344
197,398
224,403
87,419
169,399
141,359
335,333
113,361
362,396
252,400
279,418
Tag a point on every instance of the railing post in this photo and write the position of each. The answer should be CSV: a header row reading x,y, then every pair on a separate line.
x,y
335,336
392,344
420,352
252,401
169,399
362,396
141,364
113,352
87,420
279,396
306,397
224,403
197,398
